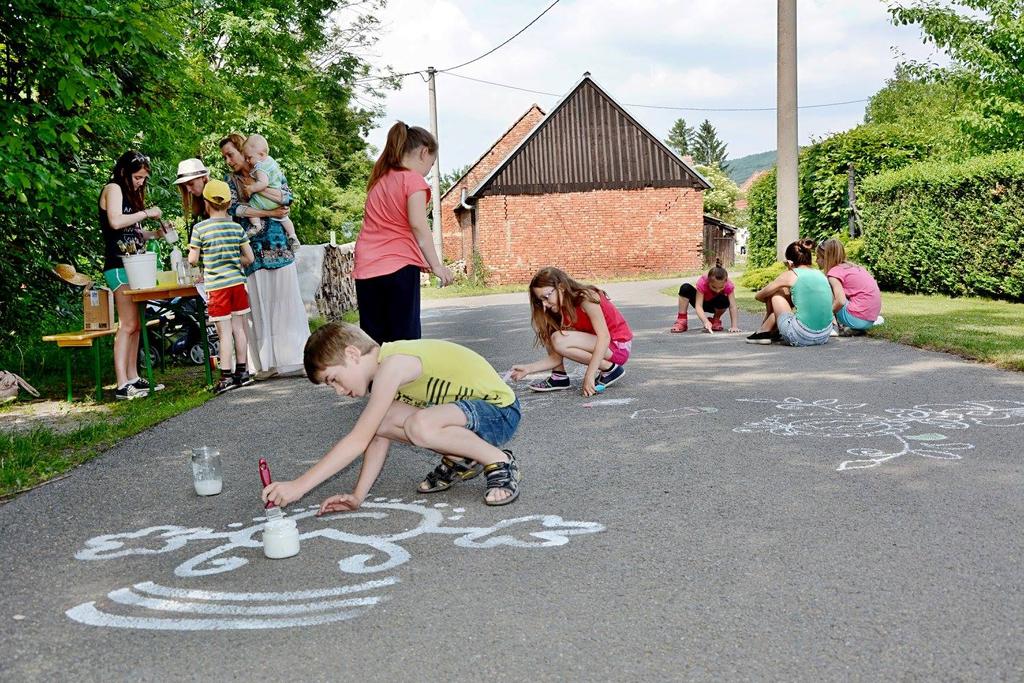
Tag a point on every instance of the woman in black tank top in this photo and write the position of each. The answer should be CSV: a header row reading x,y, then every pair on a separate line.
x,y
121,211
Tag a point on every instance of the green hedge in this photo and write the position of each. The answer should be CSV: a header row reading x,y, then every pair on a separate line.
x,y
761,207
870,148
956,229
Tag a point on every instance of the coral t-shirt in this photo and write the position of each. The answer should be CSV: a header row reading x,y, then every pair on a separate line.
x,y
618,328
862,293
386,243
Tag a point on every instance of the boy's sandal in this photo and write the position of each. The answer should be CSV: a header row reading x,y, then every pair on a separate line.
x,y
448,472
503,475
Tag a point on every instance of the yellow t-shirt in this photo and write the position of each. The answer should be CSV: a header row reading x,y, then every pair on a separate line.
x,y
450,372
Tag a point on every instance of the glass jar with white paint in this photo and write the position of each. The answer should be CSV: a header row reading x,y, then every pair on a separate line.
x,y
280,538
206,471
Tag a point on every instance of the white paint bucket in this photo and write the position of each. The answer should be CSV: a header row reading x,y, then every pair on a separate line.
x,y
141,270
280,539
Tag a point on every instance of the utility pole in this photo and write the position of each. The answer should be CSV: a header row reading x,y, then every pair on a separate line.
x,y
435,191
787,223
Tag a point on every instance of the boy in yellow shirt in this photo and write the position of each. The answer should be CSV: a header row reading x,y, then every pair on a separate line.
x,y
426,392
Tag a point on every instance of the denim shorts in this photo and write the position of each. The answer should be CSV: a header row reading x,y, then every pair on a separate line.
x,y
492,424
846,319
795,333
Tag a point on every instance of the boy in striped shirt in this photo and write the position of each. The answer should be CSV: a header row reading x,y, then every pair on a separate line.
x,y
225,250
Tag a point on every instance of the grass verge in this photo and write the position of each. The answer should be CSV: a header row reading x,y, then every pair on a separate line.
x,y
30,458
978,329
470,289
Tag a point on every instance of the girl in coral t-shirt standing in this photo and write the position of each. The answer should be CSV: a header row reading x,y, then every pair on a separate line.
x,y
395,243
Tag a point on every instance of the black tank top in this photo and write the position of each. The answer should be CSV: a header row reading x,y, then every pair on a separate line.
x,y
119,242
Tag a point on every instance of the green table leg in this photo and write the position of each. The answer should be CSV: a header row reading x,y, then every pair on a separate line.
x,y
206,342
145,345
67,372
99,373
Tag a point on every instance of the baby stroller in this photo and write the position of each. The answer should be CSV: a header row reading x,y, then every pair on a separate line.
x,y
177,336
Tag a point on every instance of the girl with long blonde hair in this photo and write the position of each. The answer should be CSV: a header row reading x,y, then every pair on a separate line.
x,y
856,299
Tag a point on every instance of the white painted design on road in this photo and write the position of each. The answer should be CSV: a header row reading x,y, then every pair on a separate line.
x,y
152,606
609,402
671,413
832,419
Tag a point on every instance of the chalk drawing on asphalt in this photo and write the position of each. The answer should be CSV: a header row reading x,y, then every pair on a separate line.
x,y
371,559
903,428
671,413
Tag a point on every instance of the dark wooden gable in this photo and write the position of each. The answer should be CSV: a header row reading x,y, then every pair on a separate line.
x,y
588,142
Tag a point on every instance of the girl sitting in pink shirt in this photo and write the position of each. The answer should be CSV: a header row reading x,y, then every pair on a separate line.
x,y
712,294
857,301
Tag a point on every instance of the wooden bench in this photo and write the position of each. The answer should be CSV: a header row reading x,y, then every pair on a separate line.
x,y
85,339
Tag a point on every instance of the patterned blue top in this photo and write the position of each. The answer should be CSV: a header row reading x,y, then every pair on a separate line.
x,y
270,247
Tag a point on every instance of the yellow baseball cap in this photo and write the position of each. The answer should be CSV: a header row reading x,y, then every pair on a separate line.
x,y
217,191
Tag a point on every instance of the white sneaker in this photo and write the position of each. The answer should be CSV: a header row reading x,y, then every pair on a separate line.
x,y
879,321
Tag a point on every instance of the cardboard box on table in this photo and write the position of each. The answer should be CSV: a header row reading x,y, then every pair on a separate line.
x,y
98,308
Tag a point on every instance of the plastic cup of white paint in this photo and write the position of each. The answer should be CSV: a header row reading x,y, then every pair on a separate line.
x,y
280,539
206,471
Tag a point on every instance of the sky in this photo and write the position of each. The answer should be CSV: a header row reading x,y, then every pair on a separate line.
x,y
668,53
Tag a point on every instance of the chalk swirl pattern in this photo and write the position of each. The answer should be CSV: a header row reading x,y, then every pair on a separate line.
x,y
914,431
152,606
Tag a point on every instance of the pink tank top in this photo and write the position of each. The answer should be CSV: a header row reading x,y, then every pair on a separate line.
x,y
617,325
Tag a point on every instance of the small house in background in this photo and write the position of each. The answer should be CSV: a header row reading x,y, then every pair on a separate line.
x,y
719,241
585,188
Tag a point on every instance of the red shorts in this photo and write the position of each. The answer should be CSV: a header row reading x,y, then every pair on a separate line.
x,y
227,302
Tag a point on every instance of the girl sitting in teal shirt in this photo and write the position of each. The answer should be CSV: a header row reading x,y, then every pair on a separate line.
x,y
798,302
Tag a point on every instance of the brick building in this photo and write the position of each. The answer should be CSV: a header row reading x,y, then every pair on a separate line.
x,y
585,188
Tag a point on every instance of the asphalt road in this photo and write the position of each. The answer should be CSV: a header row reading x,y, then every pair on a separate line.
x,y
726,511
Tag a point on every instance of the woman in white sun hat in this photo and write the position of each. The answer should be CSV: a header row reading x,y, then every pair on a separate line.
x,y
191,180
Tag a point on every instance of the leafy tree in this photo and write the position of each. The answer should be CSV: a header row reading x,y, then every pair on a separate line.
x,y
451,177
707,149
720,201
926,102
984,38
680,138
82,82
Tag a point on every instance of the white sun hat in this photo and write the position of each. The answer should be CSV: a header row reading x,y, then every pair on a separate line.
x,y
190,169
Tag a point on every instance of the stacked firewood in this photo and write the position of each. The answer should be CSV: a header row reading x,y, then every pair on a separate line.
x,y
337,292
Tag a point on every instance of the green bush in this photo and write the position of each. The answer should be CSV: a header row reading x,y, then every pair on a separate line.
x,y
756,278
947,228
761,209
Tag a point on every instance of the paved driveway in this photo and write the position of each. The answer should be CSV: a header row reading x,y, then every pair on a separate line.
x,y
726,511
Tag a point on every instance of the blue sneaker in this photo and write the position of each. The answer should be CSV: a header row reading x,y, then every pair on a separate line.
x,y
611,375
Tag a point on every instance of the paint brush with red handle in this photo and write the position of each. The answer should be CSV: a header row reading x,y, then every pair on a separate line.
x,y
273,512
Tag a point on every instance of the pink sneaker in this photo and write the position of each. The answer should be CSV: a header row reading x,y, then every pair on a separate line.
x,y
680,325
716,324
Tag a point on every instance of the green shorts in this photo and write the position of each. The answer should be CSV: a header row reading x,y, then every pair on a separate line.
x,y
115,277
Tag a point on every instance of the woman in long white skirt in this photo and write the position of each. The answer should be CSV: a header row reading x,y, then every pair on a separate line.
x,y
280,325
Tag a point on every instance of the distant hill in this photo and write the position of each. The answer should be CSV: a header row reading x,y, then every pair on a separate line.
x,y
744,167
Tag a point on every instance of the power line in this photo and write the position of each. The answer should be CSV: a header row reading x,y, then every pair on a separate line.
x,y
513,37
657,106
475,59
